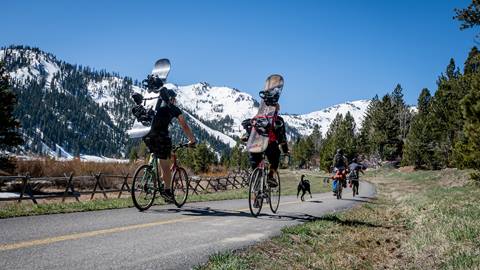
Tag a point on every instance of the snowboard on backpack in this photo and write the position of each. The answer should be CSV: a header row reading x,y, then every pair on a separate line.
x,y
266,115
160,70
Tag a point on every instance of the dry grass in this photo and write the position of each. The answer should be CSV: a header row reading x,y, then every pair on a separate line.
x,y
421,220
51,167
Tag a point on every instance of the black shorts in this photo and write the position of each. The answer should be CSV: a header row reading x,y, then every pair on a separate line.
x,y
273,155
160,146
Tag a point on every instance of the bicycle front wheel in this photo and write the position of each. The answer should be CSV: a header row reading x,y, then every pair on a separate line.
x,y
255,196
180,184
144,187
274,194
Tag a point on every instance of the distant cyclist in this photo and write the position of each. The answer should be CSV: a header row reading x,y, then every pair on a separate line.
x,y
340,165
354,175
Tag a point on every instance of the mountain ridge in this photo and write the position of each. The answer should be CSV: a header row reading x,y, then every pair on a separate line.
x,y
214,112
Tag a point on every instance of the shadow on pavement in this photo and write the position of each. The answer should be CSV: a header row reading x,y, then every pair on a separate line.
x,y
207,211
315,201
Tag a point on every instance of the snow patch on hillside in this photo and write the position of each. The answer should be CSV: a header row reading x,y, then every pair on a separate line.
x,y
305,123
212,103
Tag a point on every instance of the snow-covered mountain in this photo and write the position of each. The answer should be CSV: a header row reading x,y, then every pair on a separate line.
x,y
76,110
305,123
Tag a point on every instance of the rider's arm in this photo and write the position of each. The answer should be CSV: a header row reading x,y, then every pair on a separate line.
x,y
186,129
282,136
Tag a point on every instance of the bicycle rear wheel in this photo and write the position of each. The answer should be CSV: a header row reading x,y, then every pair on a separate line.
x,y
255,198
274,194
180,185
144,187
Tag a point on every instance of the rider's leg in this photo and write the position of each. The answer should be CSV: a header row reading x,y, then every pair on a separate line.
x,y
165,165
273,156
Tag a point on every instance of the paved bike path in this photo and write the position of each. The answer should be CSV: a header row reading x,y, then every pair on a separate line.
x,y
163,237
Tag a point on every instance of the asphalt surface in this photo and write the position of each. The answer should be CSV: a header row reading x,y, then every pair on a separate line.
x,y
163,237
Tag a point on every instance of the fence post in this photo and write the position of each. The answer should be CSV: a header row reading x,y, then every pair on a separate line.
x,y
69,185
26,188
97,183
125,183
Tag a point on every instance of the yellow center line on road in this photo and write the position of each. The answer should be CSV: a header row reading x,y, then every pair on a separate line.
x,y
76,236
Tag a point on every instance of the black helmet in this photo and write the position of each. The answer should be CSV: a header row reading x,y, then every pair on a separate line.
x,y
354,160
340,151
171,93
167,94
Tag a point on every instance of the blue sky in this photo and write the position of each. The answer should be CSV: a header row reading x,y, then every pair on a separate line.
x,y
328,51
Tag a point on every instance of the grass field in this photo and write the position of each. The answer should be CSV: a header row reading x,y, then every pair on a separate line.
x,y
289,181
421,220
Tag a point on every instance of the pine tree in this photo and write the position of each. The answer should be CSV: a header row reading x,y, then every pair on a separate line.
x,y
471,111
203,158
469,16
472,64
365,143
9,136
418,147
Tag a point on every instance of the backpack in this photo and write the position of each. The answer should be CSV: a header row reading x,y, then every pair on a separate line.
x,y
339,161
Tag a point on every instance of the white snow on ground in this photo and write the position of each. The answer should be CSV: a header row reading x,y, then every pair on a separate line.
x,y
101,92
62,153
222,137
89,158
5,195
38,62
216,103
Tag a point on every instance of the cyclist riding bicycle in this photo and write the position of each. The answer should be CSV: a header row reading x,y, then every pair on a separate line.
x,y
157,139
355,169
340,165
277,138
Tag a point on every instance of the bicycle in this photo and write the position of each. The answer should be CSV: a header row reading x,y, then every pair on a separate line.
x,y
146,182
259,190
339,182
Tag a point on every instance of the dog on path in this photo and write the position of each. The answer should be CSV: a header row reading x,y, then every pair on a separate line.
x,y
304,187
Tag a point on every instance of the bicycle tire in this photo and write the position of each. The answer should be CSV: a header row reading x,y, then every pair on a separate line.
x,y
339,189
142,183
253,192
275,200
180,187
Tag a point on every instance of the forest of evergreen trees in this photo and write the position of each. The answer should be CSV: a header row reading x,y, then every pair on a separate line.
x,y
442,131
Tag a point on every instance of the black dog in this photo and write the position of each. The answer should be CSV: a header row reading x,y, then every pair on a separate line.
x,y
304,186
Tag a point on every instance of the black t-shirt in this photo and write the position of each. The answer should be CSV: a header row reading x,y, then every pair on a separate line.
x,y
340,161
163,118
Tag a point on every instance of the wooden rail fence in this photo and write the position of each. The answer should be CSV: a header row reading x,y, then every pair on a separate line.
x,y
197,185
